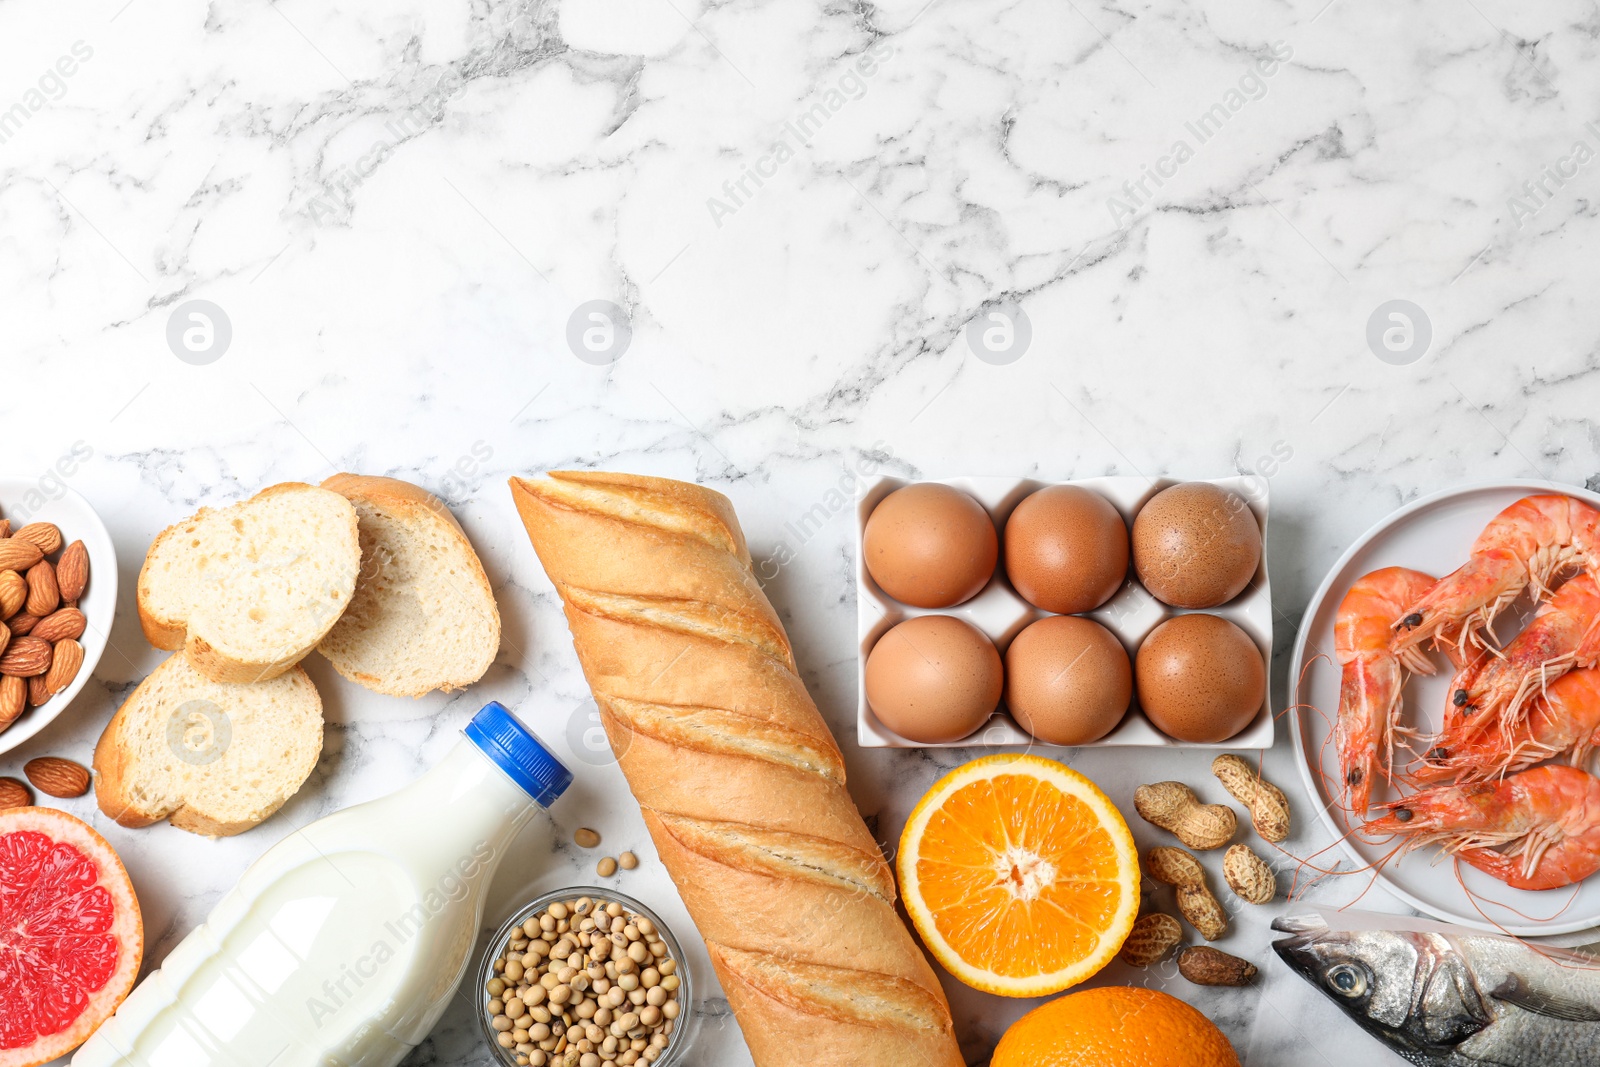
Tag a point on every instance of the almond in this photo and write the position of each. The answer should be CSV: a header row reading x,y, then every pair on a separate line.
x,y
18,555
47,535
22,624
13,699
5,528
26,657
13,593
43,596
5,636
72,571
38,692
61,625
13,794
1204,965
56,776
64,665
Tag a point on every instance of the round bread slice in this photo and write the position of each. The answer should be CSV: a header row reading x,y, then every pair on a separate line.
x,y
214,758
423,616
248,590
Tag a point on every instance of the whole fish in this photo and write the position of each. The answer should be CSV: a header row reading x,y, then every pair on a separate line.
x,y
1455,1000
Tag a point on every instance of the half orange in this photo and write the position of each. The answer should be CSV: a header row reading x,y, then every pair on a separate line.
x,y
1020,875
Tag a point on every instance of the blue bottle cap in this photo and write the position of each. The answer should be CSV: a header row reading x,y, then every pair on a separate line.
x,y
515,750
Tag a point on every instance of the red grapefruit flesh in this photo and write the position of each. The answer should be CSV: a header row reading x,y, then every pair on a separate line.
x,y
71,937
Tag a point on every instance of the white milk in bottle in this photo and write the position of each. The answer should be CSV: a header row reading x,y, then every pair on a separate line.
x,y
344,942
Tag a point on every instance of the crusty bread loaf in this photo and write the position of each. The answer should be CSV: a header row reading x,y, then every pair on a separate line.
x,y
214,758
247,590
423,615
741,784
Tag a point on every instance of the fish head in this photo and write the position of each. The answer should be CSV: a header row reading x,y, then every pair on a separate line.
x,y
1413,991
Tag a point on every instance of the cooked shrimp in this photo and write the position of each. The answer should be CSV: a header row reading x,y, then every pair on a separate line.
x,y
1565,720
1536,830
1527,545
1497,689
1374,675
1458,649
1465,678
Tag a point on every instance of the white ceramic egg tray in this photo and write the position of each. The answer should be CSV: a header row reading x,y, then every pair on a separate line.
x,y
1001,613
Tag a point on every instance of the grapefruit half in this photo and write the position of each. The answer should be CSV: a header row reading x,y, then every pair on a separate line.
x,y
71,938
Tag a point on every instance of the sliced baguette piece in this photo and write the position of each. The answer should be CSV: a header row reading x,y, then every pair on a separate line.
x,y
213,758
248,590
423,616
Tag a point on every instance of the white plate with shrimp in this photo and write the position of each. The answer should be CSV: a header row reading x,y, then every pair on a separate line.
x,y
1435,535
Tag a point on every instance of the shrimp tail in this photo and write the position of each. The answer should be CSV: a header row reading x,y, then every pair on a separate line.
x,y
1543,864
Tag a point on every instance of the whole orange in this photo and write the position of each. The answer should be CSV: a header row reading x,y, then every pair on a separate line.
x,y
1122,1025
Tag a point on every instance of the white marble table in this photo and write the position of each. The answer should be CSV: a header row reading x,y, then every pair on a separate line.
x,y
793,213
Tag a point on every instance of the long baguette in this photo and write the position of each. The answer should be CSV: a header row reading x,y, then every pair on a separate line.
x,y
740,782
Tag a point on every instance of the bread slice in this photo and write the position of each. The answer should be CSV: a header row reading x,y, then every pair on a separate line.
x,y
247,590
423,616
214,758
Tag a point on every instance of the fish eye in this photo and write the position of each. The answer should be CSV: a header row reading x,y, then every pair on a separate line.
x,y
1347,980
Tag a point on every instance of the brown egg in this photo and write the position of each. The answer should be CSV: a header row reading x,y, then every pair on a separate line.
x,y
1066,549
1200,678
930,545
1196,545
1068,680
933,678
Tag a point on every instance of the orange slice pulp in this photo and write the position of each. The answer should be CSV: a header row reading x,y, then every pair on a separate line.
x,y
1020,875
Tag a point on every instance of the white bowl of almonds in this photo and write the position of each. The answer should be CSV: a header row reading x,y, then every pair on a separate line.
x,y
585,977
58,595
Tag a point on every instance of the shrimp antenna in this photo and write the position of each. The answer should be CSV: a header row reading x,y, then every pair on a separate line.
x,y
1563,961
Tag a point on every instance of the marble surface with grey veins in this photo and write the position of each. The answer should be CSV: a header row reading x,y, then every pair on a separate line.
x,y
759,243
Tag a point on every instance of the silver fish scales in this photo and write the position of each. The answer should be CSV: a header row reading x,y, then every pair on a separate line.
x,y
1455,1000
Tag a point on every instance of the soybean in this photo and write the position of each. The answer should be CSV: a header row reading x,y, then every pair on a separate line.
x,y
585,983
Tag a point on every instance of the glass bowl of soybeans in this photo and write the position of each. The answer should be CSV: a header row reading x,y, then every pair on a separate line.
x,y
585,977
